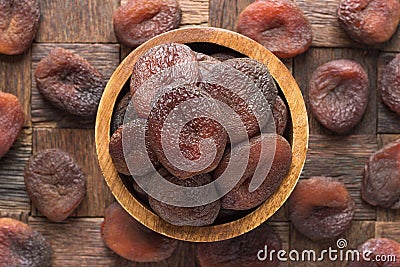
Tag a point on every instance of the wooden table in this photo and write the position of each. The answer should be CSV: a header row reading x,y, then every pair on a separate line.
x,y
86,28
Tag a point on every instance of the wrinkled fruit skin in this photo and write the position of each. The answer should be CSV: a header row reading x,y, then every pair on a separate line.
x,y
131,240
240,251
279,25
280,113
11,121
21,246
19,22
55,183
369,21
223,56
239,198
321,208
338,93
119,113
135,131
158,60
190,136
389,88
192,216
200,57
381,181
69,82
138,21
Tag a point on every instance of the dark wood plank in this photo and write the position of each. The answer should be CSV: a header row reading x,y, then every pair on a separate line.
x,y
15,78
75,242
76,21
388,230
79,143
342,158
20,216
306,64
13,196
104,57
388,121
283,230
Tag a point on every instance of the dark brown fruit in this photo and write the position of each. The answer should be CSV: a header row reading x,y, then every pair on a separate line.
x,y
279,25
369,21
223,56
390,85
139,192
203,57
321,208
376,252
280,113
241,251
69,82
19,21
138,21
338,94
158,61
381,181
119,113
258,74
132,144
131,240
239,198
55,183
189,139
21,246
11,121
193,216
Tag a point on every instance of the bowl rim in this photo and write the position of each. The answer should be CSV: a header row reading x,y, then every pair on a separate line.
x,y
300,135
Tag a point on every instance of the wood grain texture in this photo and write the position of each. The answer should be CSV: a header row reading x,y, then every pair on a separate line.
x,y
76,21
388,230
13,196
79,143
104,57
307,63
388,121
15,78
342,158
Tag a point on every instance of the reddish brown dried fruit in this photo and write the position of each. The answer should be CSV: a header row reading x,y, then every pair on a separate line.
x,y
55,183
22,246
369,21
131,240
139,192
280,113
19,21
239,198
279,25
193,216
194,131
119,112
381,181
390,85
338,94
138,21
241,251
69,82
373,250
321,208
157,61
132,144
11,121
203,57
223,56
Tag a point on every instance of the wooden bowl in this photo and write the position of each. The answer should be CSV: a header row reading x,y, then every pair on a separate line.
x,y
298,136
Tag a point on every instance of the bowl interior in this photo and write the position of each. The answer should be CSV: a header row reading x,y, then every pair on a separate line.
x,y
208,41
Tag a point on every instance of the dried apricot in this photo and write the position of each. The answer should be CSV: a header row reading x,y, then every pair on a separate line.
x,y
279,25
280,113
11,121
338,94
119,112
193,216
389,88
321,208
138,21
223,56
55,183
239,198
131,240
369,21
241,251
381,181
69,82
203,57
19,22
22,246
